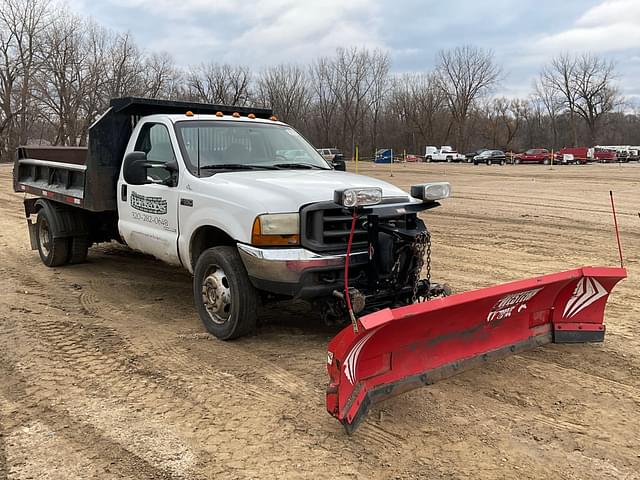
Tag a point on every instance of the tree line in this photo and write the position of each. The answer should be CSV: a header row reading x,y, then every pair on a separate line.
x,y
59,70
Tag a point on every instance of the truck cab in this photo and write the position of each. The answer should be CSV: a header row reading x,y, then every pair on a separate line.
x,y
239,199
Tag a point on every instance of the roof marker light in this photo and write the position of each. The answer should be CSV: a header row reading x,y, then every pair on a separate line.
x,y
219,114
189,113
251,116
236,115
273,118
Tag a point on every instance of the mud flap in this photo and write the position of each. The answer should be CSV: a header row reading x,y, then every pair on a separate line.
x,y
397,350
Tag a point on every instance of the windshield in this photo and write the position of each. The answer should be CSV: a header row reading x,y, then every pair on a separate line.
x,y
210,145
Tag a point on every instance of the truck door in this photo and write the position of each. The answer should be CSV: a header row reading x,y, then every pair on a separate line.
x,y
148,214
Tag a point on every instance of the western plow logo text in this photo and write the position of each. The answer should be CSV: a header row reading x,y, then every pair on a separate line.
x,y
505,307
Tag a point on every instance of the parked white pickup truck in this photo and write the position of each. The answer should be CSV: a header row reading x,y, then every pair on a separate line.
x,y
240,200
443,154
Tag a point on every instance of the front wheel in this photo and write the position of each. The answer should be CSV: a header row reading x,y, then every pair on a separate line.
x,y
226,300
427,159
489,162
546,161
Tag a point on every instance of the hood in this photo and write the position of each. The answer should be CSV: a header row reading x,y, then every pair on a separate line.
x,y
288,190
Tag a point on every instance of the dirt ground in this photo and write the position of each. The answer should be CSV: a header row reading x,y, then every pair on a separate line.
x,y
106,372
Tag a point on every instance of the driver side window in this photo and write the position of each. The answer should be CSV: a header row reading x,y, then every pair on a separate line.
x,y
155,141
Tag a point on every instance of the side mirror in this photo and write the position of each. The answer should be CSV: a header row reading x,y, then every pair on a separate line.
x,y
134,168
339,165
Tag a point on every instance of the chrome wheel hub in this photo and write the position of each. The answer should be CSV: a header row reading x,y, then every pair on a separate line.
x,y
44,237
216,295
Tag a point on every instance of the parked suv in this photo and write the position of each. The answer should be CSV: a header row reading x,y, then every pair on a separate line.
x,y
534,155
490,157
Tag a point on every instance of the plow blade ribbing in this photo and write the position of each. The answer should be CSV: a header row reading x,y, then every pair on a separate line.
x,y
396,350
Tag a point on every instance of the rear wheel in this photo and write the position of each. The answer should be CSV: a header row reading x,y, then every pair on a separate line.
x,y
489,161
517,161
449,159
78,249
53,250
502,162
427,159
226,300
546,161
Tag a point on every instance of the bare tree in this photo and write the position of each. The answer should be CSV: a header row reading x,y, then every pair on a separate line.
x,y
355,78
22,23
323,77
550,97
125,68
285,88
464,75
225,84
596,94
380,87
418,102
161,78
60,88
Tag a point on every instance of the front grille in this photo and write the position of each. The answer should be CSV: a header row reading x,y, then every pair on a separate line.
x,y
328,229
325,228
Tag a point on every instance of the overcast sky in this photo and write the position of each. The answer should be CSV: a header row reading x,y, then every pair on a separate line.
x,y
524,34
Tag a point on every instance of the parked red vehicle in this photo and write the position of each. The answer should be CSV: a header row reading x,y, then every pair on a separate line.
x,y
580,155
604,155
533,155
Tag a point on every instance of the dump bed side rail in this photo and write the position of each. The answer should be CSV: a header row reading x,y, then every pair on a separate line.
x,y
54,173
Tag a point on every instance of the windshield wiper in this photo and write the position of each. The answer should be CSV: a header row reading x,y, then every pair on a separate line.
x,y
237,166
307,166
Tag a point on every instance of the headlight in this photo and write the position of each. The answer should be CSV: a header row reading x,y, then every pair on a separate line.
x,y
358,197
431,191
277,229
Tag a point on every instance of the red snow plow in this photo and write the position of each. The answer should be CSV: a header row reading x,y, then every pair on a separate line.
x,y
396,350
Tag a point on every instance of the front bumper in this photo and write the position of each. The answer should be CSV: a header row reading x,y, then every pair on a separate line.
x,y
289,271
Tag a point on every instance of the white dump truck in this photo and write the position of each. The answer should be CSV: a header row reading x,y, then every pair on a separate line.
x,y
236,197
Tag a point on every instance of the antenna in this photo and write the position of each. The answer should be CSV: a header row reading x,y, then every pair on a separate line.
x,y
615,222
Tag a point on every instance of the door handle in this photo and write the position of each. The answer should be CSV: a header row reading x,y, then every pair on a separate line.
x,y
123,192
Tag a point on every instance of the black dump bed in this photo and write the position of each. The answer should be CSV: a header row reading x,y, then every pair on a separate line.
x,y
87,177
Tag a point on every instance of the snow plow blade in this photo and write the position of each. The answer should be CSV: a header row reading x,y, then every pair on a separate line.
x,y
397,350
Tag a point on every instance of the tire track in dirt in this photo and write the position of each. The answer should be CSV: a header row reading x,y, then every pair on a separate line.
x,y
3,453
64,338
86,438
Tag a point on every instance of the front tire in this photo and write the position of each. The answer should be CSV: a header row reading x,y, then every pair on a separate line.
x,y
226,300
53,251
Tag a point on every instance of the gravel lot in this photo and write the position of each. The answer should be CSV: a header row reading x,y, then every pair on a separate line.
x,y
106,372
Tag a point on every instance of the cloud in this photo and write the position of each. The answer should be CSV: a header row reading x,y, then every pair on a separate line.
x,y
612,25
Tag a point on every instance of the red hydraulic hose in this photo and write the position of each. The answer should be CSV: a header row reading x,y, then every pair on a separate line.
x,y
347,297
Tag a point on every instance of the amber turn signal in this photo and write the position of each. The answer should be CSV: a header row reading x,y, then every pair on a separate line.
x,y
259,238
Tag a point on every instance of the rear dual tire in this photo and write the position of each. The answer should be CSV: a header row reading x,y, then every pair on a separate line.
x,y
54,250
